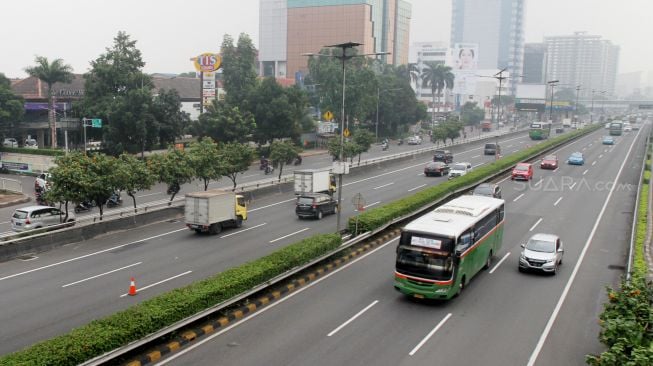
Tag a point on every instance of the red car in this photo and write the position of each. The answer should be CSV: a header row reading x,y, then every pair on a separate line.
x,y
549,162
522,171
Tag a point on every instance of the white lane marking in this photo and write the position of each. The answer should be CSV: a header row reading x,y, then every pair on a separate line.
x,y
101,274
160,282
476,156
352,318
600,156
585,172
538,182
372,204
503,180
5,222
272,204
593,163
418,187
514,151
249,176
428,336
476,166
535,224
241,231
385,185
90,254
149,194
518,197
521,142
563,296
291,234
420,174
509,146
589,145
555,170
584,148
537,161
271,306
572,186
498,264
558,201
606,150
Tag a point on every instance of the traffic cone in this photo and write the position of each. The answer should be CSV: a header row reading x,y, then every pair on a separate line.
x,y
132,287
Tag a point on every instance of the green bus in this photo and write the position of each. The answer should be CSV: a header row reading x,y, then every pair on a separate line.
x,y
616,128
438,253
539,130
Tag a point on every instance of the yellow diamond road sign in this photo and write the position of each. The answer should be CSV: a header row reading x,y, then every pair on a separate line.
x,y
328,116
346,132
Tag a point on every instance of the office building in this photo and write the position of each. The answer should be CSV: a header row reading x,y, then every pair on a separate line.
x,y
534,71
421,54
290,28
583,59
497,27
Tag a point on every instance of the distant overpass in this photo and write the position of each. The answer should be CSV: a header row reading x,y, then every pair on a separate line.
x,y
639,104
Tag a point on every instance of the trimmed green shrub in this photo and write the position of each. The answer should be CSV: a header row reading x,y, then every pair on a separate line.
x,y
129,325
46,152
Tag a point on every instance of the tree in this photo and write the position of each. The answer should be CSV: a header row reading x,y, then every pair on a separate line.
x,y
274,113
437,76
205,160
349,149
68,180
102,183
172,168
440,133
452,128
51,73
135,176
471,115
238,69
190,74
11,107
235,158
166,109
225,123
282,152
363,140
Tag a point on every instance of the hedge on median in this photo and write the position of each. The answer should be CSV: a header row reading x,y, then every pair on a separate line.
x,y
380,216
46,152
114,331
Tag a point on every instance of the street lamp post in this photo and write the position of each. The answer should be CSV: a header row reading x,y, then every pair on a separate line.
x,y
576,107
553,84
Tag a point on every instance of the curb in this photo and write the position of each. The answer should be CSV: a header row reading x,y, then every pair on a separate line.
x,y
24,199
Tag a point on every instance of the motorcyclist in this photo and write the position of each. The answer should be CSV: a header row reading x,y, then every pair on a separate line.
x,y
298,160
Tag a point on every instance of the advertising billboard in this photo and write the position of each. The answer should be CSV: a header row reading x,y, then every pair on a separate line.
x,y
464,67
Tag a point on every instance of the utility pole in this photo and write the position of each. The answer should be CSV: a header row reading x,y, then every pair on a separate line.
x,y
576,108
552,83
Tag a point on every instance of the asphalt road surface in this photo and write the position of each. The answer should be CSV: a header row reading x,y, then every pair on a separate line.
x,y
354,317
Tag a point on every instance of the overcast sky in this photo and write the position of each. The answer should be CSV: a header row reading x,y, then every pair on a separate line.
x,y
169,32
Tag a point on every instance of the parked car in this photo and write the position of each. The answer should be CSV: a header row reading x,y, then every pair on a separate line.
x,y
542,252
436,168
443,155
414,140
10,142
315,205
522,171
576,158
487,190
492,149
549,162
31,144
34,217
459,169
608,140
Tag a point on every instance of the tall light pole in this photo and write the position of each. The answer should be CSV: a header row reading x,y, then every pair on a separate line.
x,y
343,57
576,107
553,84
592,108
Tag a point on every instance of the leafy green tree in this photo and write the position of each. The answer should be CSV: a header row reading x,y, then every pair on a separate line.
x,y
440,133
235,158
69,180
132,127
363,139
282,152
471,114
273,112
437,76
205,161
102,183
172,121
452,128
225,123
238,69
50,73
173,168
133,176
11,107
349,149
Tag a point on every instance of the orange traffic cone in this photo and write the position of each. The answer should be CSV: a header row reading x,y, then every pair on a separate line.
x,y
132,287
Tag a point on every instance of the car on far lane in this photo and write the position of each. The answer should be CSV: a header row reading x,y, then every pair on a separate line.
x,y
608,140
35,217
443,155
522,171
576,158
10,142
414,140
459,169
607,126
549,162
436,168
487,190
542,252
627,127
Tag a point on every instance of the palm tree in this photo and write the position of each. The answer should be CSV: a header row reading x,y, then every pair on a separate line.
x,y
51,73
438,77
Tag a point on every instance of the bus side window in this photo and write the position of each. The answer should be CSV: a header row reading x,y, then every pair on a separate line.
x,y
501,214
464,241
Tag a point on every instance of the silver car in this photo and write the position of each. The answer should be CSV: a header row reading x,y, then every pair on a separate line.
x,y
34,217
542,252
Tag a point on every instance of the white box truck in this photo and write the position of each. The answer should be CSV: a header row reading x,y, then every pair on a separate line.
x,y
210,211
314,181
566,122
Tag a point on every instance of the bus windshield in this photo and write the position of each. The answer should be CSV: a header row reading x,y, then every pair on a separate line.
x,y
426,257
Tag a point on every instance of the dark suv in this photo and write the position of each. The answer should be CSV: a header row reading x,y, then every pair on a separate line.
x,y
443,155
315,205
492,149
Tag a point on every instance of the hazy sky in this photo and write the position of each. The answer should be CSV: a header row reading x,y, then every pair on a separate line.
x,y
169,32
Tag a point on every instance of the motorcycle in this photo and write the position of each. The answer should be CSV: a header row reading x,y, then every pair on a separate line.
x,y
39,198
83,206
264,163
114,200
401,142
384,146
298,160
269,169
173,188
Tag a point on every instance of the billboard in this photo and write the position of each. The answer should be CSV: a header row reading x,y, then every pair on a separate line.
x,y
464,67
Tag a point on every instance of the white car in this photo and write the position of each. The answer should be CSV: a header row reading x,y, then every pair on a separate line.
x,y
414,140
10,142
627,127
31,144
34,217
459,169
542,252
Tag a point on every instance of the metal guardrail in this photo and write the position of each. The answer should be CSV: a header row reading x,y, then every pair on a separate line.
x,y
11,185
112,355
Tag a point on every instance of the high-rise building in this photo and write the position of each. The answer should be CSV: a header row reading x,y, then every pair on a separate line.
x,y
290,28
423,52
534,71
497,26
583,59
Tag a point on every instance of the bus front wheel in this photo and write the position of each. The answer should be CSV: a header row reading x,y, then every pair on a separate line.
x,y
461,286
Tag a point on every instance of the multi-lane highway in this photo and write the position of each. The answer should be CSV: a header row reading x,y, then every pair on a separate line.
x,y
354,317
58,290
